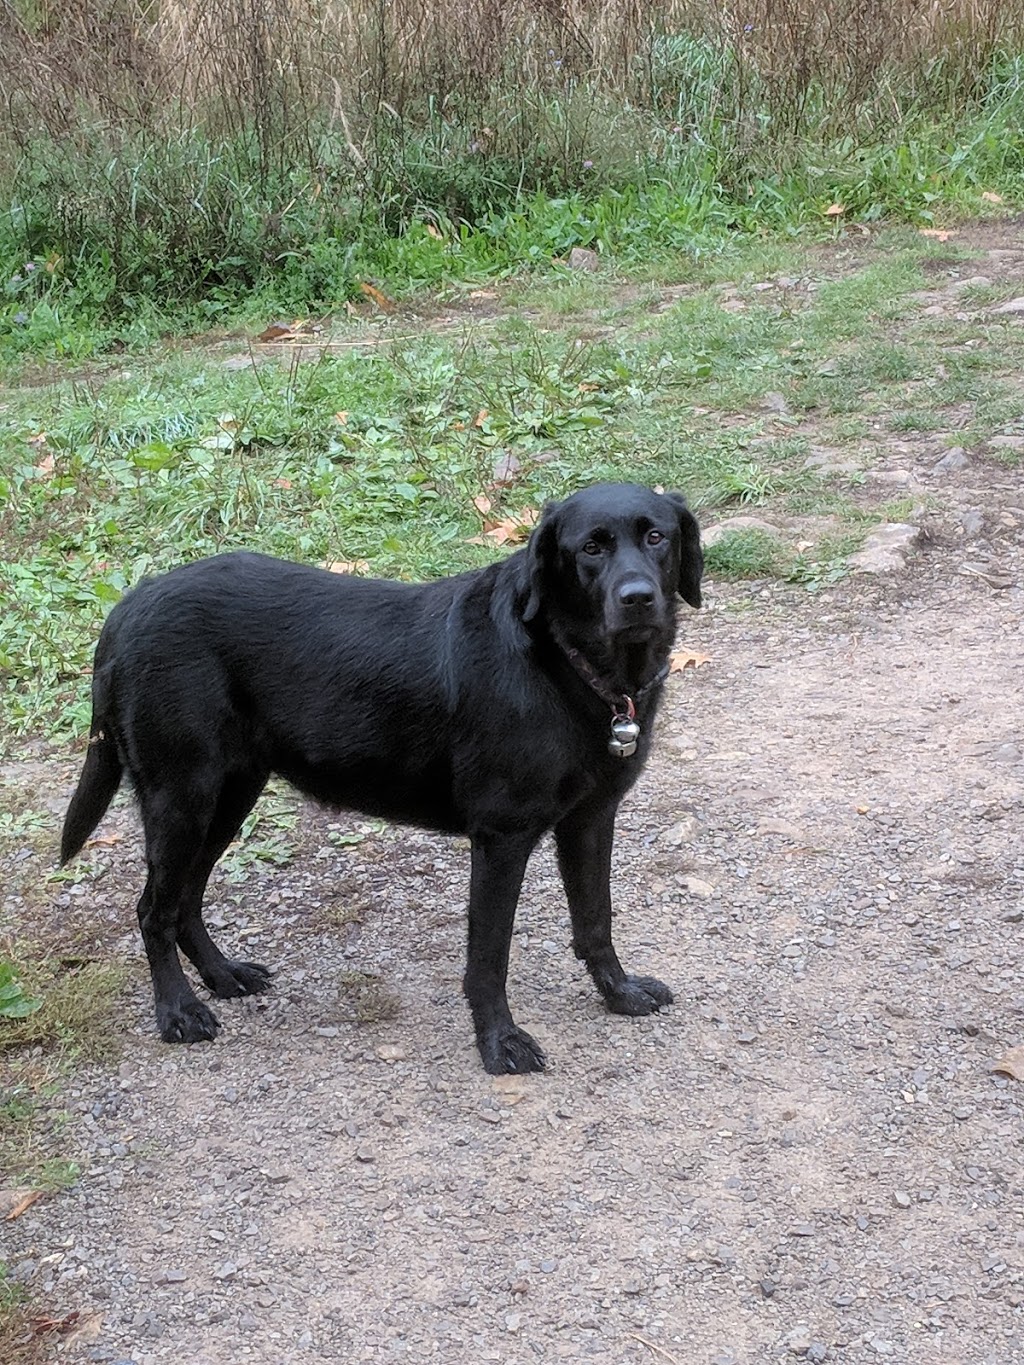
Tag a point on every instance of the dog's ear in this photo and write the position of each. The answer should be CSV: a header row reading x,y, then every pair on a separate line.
x,y
540,553
691,557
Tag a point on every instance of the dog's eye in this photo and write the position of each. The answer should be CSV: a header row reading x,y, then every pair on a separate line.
x,y
654,537
591,548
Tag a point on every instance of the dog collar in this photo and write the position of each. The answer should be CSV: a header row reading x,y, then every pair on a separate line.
x,y
625,729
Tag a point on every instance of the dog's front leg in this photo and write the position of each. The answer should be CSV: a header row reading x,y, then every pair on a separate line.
x,y
499,863
584,842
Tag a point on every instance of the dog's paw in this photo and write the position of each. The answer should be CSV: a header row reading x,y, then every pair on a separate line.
x,y
186,1020
510,1051
241,978
638,995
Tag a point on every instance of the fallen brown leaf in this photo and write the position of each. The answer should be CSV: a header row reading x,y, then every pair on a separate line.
x,y
16,1201
835,211
1011,1064
104,840
381,299
86,1329
481,417
482,503
940,234
989,197
276,331
280,483
348,566
506,470
686,658
435,232
510,530
44,1326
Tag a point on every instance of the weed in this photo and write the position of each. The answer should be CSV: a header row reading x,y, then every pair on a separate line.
x,y
263,837
15,1002
74,1014
747,553
924,420
55,1173
826,563
363,998
72,1023
19,1344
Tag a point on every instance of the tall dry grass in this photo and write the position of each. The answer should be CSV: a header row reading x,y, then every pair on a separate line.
x,y
277,65
190,146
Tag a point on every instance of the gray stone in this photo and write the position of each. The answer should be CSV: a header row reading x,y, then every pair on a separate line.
x,y
955,458
582,258
1011,306
900,478
731,525
828,461
773,824
681,832
973,282
886,548
1006,442
798,1341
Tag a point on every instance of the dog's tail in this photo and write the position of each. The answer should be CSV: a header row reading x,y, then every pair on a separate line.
x,y
101,777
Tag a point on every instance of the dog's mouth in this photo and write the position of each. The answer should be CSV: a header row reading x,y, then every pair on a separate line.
x,y
632,632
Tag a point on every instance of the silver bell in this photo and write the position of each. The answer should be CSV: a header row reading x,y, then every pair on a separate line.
x,y
625,733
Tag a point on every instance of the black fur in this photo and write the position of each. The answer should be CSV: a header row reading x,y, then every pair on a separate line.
x,y
450,705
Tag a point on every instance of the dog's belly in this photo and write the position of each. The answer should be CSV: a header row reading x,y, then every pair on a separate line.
x,y
374,787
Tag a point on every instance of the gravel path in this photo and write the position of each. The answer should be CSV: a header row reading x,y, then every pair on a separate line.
x,y
809,1157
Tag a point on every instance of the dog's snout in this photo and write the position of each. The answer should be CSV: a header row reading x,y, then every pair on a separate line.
x,y
638,592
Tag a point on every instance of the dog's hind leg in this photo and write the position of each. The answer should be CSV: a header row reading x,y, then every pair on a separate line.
x,y
175,834
584,842
225,977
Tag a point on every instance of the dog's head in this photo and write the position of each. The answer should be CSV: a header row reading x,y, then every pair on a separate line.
x,y
614,556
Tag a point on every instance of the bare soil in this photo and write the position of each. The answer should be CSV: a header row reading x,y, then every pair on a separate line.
x,y
808,1157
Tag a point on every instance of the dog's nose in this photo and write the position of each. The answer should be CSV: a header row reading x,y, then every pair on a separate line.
x,y
637,593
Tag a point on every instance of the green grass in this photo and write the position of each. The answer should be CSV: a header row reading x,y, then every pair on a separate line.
x,y
747,553
76,998
71,1025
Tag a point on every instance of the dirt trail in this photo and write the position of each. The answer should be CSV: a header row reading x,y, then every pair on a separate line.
x,y
809,1157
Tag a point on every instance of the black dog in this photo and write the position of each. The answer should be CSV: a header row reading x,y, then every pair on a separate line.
x,y
500,704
